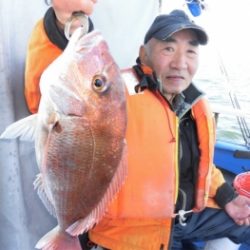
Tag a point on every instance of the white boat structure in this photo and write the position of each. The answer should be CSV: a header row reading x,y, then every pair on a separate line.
x,y
23,217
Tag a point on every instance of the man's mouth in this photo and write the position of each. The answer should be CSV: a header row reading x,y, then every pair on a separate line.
x,y
175,77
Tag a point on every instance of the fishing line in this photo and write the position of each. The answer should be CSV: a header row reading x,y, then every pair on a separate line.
x,y
236,105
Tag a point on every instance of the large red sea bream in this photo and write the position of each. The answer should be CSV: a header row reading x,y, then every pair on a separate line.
x,y
79,134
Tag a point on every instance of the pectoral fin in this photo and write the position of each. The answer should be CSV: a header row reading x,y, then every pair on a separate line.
x,y
23,129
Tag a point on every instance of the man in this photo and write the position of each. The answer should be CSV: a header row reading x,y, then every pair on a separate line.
x,y
173,194
171,49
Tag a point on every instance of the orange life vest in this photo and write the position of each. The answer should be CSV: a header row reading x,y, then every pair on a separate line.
x,y
40,53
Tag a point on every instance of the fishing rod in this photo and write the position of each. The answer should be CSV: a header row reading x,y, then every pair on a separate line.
x,y
245,131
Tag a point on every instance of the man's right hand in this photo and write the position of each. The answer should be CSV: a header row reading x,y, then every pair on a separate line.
x,y
239,210
64,9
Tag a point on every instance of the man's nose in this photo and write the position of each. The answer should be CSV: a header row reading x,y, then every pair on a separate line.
x,y
179,61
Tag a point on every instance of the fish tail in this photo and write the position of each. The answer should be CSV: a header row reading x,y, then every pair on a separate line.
x,y
57,239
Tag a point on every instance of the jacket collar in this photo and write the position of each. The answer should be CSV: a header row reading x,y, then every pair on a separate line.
x,y
184,101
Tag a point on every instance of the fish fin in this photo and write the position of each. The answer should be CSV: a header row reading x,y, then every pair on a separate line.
x,y
83,225
38,184
57,239
24,129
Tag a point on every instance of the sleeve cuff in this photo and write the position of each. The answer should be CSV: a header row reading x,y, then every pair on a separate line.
x,y
225,193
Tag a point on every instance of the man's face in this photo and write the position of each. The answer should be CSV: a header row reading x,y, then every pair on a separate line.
x,y
175,61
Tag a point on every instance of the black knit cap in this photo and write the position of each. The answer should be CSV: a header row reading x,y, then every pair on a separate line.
x,y
165,26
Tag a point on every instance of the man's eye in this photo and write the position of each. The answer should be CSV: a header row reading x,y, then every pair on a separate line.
x,y
169,49
192,53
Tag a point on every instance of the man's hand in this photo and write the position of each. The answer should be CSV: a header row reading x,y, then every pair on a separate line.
x,y
239,210
64,9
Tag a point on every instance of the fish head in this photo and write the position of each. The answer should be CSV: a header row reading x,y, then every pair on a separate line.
x,y
84,80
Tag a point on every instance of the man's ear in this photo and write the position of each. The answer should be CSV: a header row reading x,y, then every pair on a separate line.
x,y
143,55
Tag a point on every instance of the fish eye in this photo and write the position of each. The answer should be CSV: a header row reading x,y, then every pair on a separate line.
x,y
100,84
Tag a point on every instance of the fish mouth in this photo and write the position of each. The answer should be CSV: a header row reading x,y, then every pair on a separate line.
x,y
80,18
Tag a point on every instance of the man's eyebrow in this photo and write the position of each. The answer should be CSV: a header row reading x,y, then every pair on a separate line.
x,y
193,42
